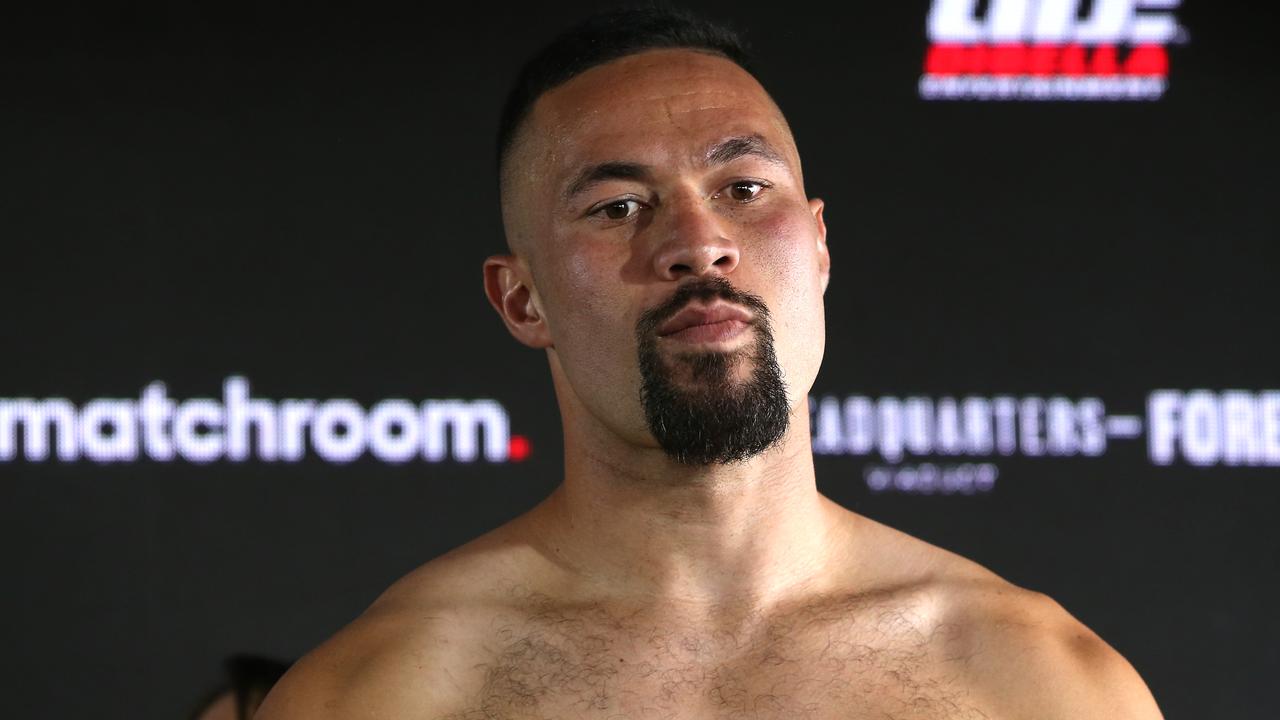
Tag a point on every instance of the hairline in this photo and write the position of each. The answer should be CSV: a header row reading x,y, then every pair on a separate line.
x,y
519,129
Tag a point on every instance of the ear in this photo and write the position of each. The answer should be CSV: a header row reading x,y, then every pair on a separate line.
x,y
824,257
508,284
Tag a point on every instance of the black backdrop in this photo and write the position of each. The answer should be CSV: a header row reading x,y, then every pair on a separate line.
x,y
304,199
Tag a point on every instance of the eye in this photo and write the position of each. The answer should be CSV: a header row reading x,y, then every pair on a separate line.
x,y
618,209
745,190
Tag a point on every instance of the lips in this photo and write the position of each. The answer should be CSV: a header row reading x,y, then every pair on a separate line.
x,y
722,316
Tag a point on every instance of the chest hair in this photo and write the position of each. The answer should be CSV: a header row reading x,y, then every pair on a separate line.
x,y
846,657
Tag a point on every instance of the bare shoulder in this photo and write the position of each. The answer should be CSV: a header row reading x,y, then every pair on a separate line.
x,y
1026,655
413,652
1016,652
375,667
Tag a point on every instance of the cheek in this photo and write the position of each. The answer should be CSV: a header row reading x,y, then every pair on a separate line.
x,y
786,256
586,312
573,293
786,251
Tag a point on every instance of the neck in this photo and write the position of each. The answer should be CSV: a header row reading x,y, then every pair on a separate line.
x,y
628,521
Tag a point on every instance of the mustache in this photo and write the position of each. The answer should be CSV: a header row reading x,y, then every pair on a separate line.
x,y
714,287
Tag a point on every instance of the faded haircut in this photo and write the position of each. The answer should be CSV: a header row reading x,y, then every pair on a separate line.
x,y
604,37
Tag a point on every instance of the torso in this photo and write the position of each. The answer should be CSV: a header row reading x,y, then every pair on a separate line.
x,y
491,632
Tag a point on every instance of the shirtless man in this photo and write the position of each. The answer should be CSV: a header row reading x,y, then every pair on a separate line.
x,y
665,255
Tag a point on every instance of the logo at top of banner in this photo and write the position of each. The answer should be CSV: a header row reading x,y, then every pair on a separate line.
x,y
1049,49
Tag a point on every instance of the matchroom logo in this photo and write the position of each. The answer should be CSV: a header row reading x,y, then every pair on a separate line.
x,y
1049,49
241,428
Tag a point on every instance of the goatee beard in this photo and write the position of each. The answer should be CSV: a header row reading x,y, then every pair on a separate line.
x,y
713,418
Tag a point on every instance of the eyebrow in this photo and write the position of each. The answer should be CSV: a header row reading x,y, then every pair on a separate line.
x,y
596,174
730,149
722,153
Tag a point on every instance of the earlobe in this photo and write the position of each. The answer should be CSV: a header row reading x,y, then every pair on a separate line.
x,y
816,206
511,293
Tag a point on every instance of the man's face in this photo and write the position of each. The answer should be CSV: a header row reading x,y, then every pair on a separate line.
x,y
656,172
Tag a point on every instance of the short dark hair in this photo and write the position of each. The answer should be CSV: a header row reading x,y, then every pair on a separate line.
x,y
604,37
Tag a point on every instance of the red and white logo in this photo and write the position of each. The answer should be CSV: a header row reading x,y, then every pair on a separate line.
x,y
1049,49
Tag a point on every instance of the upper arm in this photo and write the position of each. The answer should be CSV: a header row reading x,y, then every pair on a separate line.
x,y
1040,663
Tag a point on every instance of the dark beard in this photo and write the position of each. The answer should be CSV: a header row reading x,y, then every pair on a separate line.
x,y
718,420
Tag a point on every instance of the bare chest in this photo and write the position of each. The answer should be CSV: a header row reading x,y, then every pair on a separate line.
x,y
811,665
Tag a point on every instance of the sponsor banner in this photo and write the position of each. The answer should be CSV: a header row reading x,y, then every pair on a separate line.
x,y
1200,428
1046,50
240,428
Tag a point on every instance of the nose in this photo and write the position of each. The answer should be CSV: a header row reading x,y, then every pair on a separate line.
x,y
695,242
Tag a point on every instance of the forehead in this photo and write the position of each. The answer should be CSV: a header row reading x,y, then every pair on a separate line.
x,y
660,106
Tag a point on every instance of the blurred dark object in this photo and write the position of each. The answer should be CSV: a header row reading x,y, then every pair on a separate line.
x,y
249,679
